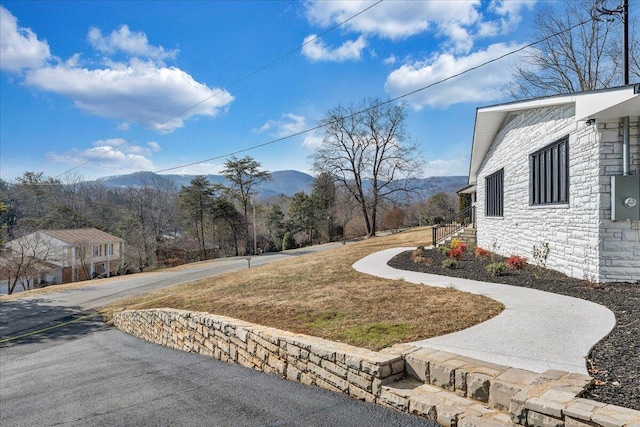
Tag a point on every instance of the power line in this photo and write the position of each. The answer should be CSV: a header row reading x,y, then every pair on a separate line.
x,y
391,100
242,79
413,92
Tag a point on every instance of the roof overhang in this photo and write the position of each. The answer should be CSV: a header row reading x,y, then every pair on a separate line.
x,y
599,104
469,189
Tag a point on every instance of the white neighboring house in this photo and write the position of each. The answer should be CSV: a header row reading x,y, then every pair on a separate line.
x,y
563,171
71,255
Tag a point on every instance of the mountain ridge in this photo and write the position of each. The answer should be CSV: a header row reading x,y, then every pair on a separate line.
x,y
287,182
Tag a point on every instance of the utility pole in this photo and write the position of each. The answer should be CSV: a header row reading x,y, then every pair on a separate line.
x,y
255,234
625,42
623,10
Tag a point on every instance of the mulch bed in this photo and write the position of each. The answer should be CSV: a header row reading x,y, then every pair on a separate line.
x,y
614,362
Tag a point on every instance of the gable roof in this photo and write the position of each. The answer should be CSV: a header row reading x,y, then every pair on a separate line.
x,y
82,236
598,104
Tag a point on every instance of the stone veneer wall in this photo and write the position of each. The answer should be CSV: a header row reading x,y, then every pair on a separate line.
x,y
453,390
619,240
583,241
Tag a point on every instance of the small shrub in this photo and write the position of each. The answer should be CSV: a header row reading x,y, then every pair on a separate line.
x,y
455,243
444,250
288,242
456,253
497,268
541,253
462,247
450,263
516,262
481,253
417,259
418,255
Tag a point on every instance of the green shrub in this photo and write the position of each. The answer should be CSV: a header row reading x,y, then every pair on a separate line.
x,y
450,263
497,268
444,250
289,242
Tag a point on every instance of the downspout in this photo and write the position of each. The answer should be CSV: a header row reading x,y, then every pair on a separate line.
x,y
626,158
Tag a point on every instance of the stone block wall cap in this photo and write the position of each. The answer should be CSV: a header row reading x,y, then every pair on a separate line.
x,y
518,376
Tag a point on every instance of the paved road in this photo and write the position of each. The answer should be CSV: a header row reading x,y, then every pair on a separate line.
x,y
39,311
82,373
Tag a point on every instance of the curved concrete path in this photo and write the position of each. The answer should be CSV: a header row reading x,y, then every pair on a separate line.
x,y
536,331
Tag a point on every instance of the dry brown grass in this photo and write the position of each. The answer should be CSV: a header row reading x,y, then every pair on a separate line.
x,y
322,295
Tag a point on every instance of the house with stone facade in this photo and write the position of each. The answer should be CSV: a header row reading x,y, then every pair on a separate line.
x,y
65,256
557,180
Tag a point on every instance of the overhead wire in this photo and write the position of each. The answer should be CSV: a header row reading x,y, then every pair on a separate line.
x,y
242,79
311,129
391,100
388,101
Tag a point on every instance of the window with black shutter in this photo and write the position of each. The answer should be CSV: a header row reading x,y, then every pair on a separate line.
x,y
494,194
549,174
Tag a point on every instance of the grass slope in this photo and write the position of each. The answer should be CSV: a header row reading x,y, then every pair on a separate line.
x,y
322,295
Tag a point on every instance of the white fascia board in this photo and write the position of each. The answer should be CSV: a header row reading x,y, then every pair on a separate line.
x,y
605,103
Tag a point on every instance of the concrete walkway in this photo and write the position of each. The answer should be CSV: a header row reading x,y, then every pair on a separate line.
x,y
537,330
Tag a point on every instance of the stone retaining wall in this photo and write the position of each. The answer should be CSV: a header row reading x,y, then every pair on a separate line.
x,y
455,391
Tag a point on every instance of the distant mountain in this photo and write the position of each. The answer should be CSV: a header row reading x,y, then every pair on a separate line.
x,y
283,182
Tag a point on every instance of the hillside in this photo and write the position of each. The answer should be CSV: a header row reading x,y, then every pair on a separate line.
x,y
286,182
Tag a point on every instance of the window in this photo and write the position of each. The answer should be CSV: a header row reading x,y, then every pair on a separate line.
x,y
494,194
549,174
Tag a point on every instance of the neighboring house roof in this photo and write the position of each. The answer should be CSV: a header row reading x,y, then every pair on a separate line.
x,y
82,236
598,104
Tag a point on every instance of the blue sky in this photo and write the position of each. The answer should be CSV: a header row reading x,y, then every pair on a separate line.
x,y
104,88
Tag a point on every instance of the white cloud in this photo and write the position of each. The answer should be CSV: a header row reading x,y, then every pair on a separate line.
x,y
312,142
110,155
131,43
289,125
453,167
390,60
19,47
458,22
316,50
139,92
395,20
482,85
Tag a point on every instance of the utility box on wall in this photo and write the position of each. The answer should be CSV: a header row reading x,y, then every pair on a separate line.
x,y
625,197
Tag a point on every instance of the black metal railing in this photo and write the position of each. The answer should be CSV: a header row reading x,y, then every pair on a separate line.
x,y
454,224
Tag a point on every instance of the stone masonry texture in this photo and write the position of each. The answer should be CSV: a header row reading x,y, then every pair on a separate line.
x,y
583,240
450,389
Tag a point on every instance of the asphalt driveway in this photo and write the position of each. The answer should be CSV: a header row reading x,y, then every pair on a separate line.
x,y
60,365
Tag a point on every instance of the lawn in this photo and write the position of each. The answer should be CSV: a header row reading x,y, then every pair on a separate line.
x,y
321,295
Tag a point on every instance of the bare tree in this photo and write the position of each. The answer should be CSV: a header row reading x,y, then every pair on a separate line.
x,y
572,57
24,260
365,149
